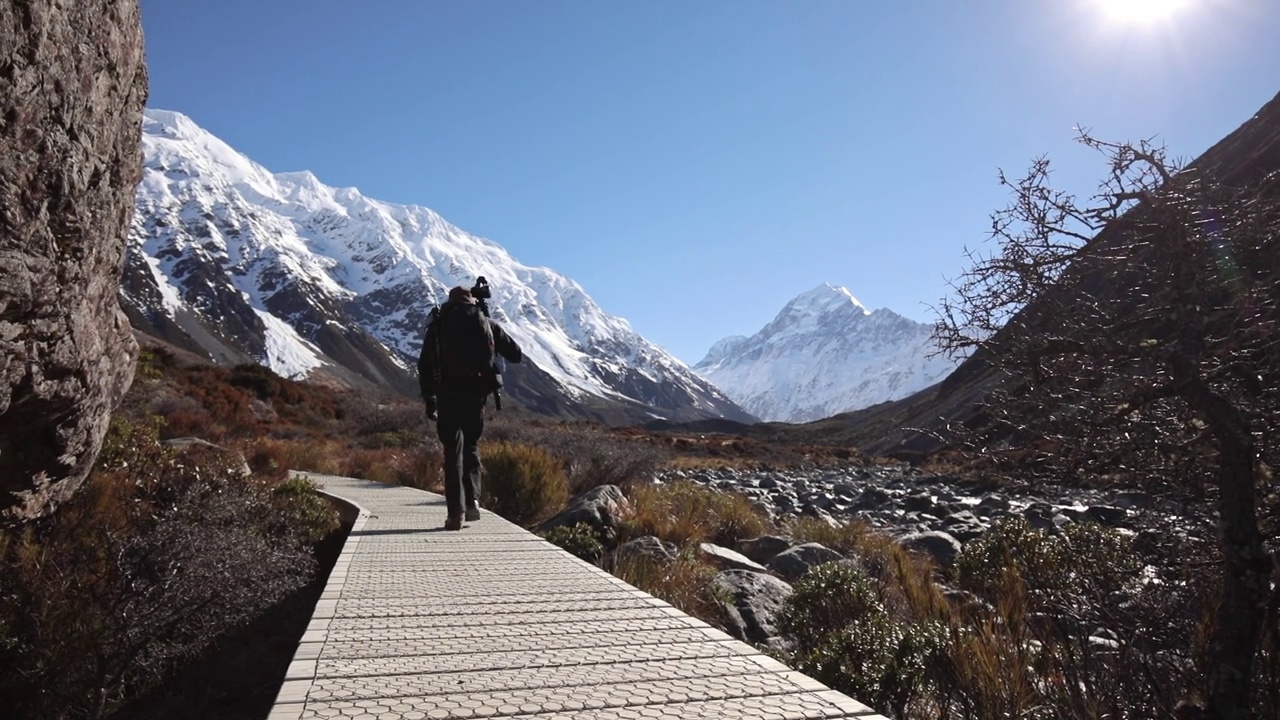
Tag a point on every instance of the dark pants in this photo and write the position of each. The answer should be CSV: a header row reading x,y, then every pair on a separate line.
x,y
461,421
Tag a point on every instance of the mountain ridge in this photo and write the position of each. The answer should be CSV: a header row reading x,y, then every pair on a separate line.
x,y
244,264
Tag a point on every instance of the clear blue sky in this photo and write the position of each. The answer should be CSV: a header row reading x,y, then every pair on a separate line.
x,y
696,164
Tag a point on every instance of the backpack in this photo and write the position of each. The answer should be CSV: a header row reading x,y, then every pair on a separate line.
x,y
465,342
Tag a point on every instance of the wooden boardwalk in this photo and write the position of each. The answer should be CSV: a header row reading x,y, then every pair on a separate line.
x,y
495,622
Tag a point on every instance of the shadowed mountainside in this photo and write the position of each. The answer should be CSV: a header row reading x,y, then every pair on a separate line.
x,y
902,428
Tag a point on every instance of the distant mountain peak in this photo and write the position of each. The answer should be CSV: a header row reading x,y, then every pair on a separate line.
x,y
826,297
823,354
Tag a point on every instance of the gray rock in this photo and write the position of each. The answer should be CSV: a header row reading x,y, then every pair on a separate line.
x,y
1107,515
600,507
763,548
726,559
920,503
1131,500
845,490
646,546
873,497
820,500
964,517
793,563
1038,517
72,86
994,502
188,444
941,546
965,533
817,513
751,603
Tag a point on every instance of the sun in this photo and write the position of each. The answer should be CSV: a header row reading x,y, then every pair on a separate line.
x,y
1140,12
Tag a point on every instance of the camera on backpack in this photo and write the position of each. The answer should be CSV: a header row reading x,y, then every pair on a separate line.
x,y
481,292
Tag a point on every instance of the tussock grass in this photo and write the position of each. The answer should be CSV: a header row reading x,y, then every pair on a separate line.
x,y
522,483
685,582
686,513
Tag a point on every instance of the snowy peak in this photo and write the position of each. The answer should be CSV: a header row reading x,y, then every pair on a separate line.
x,y
228,258
823,299
173,143
723,349
825,353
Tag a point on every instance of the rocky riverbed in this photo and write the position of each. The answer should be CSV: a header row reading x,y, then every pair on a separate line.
x,y
928,513
901,501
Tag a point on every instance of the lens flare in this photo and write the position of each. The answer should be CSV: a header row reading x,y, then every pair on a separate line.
x,y
1140,12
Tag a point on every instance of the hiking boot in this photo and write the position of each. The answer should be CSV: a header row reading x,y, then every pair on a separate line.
x,y
454,522
473,512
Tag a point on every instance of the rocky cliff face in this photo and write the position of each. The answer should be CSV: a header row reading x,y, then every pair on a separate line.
x,y
72,87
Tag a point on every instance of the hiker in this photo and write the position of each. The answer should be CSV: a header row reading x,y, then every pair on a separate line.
x,y
457,373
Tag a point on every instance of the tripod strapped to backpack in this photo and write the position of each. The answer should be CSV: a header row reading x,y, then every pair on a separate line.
x,y
481,292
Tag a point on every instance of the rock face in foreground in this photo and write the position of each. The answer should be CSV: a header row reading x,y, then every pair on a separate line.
x,y
72,87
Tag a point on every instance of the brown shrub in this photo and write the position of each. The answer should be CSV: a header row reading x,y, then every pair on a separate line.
x,y
592,454
155,558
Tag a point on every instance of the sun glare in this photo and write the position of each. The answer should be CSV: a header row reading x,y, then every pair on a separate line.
x,y
1140,12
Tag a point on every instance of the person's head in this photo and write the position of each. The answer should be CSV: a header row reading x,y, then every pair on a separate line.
x,y
461,294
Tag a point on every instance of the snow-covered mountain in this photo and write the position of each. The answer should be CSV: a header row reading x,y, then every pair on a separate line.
x,y
243,264
824,354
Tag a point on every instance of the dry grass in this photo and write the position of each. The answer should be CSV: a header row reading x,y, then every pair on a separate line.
x,y
685,513
523,483
684,582
592,455
699,462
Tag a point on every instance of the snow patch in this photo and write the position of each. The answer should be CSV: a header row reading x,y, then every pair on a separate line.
x,y
288,355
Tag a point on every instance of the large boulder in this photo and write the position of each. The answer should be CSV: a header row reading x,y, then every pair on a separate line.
x,y
942,547
751,602
726,559
794,563
600,507
645,547
762,549
72,87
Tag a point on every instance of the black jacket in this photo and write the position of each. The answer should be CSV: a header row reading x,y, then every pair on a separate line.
x,y
432,385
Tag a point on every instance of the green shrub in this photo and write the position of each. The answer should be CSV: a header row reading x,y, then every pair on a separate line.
x,y
1050,593
843,636
580,540
522,483
298,508
1078,569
